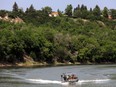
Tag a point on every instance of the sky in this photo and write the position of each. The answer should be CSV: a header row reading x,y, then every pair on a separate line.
x,y
56,4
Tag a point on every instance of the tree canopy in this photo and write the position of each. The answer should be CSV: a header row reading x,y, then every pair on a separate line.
x,y
82,36
68,10
15,7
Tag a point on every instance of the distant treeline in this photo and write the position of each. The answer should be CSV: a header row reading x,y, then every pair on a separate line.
x,y
66,38
81,11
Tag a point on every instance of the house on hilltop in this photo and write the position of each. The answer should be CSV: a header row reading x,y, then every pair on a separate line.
x,y
53,14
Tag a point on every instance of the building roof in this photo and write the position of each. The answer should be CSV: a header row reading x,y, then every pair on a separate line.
x,y
54,14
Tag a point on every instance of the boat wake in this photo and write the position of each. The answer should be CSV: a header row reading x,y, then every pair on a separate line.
x,y
40,81
93,81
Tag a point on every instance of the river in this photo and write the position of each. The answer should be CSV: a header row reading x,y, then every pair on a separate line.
x,y
89,76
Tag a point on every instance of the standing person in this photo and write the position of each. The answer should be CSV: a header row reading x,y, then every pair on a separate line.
x,y
62,78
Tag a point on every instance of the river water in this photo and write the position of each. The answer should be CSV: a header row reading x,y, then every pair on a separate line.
x,y
89,76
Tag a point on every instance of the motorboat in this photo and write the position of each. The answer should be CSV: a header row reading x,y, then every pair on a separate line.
x,y
69,77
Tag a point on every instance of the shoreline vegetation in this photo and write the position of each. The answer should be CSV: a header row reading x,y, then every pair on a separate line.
x,y
38,64
40,38
34,64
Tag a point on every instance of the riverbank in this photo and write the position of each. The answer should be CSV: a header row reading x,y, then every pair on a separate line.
x,y
38,64
34,64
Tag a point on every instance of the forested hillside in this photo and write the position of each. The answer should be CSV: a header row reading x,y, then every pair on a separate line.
x,y
78,35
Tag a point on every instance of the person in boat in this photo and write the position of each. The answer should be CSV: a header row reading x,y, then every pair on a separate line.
x,y
64,77
69,77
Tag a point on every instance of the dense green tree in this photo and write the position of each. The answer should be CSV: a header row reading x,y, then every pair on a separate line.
x,y
91,10
3,13
83,7
68,10
47,9
113,13
16,12
60,13
77,12
80,12
15,7
105,12
31,9
27,10
90,14
97,11
84,11
58,39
